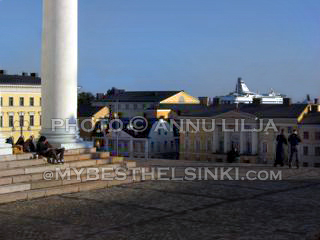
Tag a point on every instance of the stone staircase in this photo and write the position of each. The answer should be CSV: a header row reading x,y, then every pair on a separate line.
x,y
22,177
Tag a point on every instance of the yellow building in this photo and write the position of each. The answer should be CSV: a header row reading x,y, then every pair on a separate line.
x,y
215,131
129,104
20,105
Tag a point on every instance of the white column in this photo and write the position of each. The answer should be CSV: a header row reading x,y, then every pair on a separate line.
x,y
5,149
226,141
242,142
254,142
59,70
131,148
107,143
146,149
215,140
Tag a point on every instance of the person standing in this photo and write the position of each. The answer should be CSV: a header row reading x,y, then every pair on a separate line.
x,y
281,141
294,141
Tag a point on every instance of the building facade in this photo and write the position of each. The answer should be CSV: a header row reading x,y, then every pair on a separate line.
x,y
310,134
156,141
251,130
128,104
20,105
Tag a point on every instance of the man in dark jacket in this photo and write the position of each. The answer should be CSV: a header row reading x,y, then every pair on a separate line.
x,y
281,140
294,141
45,149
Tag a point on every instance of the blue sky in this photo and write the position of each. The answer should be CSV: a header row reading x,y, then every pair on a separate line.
x,y
200,46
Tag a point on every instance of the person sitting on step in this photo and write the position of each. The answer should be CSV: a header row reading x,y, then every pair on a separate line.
x,y
18,147
54,155
29,146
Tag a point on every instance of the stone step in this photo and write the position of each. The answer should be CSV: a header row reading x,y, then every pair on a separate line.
x,y
16,157
32,177
73,179
60,181
17,175
18,187
62,189
130,163
27,156
46,167
21,163
41,161
80,151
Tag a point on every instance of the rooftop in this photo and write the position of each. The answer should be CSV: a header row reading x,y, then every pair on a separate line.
x,y
312,118
260,110
86,110
138,96
24,79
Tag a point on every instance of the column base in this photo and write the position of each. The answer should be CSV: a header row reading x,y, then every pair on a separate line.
x,y
75,145
5,149
67,140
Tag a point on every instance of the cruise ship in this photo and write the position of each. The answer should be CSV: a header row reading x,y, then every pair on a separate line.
x,y
242,94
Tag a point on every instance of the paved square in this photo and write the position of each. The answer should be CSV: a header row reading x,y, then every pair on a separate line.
x,y
172,210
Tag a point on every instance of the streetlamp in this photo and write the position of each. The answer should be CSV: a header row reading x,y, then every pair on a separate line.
x,y
21,125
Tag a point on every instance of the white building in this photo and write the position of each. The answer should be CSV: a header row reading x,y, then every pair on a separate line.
x,y
156,141
242,94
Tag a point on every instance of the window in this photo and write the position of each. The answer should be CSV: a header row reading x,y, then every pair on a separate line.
x,y
265,147
127,106
40,119
11,121
31,101
21,101
40,102
197,145
165,145
21,120
305,135
1,121
172,145
289,130
135,106
187,144
209,146
317,135
159,131
11,101
305,151
152,146
181,99
1,101
31,121
317,151
159,147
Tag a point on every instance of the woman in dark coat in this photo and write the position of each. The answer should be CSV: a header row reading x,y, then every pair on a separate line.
x,y
281,140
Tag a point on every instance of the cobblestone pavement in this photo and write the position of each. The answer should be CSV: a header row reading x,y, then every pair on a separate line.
x,y
288,209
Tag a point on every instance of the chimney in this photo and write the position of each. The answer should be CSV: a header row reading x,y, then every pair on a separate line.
x,y
99,96
34,74
256,101
204,101
24,74
314,108
316,101
308,98
287,101
2,72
